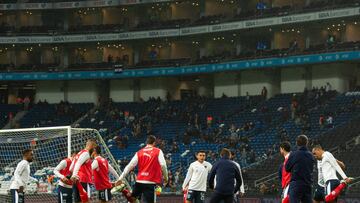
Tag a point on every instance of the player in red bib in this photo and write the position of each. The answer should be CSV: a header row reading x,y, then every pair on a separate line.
x,y
62,171
101,169
152,171
81,171
285,176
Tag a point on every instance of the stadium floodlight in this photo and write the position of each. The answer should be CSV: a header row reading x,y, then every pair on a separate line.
x,y
50,145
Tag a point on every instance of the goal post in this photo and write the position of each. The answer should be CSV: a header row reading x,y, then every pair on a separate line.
x,y
50,145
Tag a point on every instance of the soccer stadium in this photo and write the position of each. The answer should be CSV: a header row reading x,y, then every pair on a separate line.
x,y
179,101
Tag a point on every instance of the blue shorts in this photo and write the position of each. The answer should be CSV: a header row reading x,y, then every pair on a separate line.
x,y
65,194
195,196
319,194
331,185
105,195
17,197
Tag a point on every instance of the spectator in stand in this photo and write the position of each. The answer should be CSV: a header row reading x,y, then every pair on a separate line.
x,y
26,103
244,157
260,7
329,121
10,116
264,92
328,87
294,105
264,189
294,46
330,42
247,96
321,121
19,101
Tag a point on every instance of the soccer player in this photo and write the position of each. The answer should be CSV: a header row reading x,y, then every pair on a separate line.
x,y
21,177
301,164
152,171
319,194
196,179
81,170
62,171
101,169
285,176
242,188
328,167
228,179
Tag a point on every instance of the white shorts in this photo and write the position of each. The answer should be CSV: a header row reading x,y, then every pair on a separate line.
x,y
285,192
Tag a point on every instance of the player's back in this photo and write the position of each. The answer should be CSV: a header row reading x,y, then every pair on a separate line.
x,y
101,174
149,165
302,162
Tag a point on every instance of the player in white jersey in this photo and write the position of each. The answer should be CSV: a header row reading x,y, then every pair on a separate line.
x,y
327,168
196,179
319,194
21,177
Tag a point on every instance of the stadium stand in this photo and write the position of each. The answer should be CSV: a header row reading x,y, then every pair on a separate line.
x,y
124,125
203,47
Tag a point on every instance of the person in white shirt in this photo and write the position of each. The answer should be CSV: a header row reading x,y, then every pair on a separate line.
x,y
21,177
196,179
242,188
319,194
328,167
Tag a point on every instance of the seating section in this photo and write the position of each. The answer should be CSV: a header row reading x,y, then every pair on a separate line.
x,y
7,111
44,115
249,125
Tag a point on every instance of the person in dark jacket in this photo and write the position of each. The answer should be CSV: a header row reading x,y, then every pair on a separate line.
x,y
226,173
301,165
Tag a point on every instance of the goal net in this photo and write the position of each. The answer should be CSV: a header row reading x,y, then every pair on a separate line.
x,y
50,145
